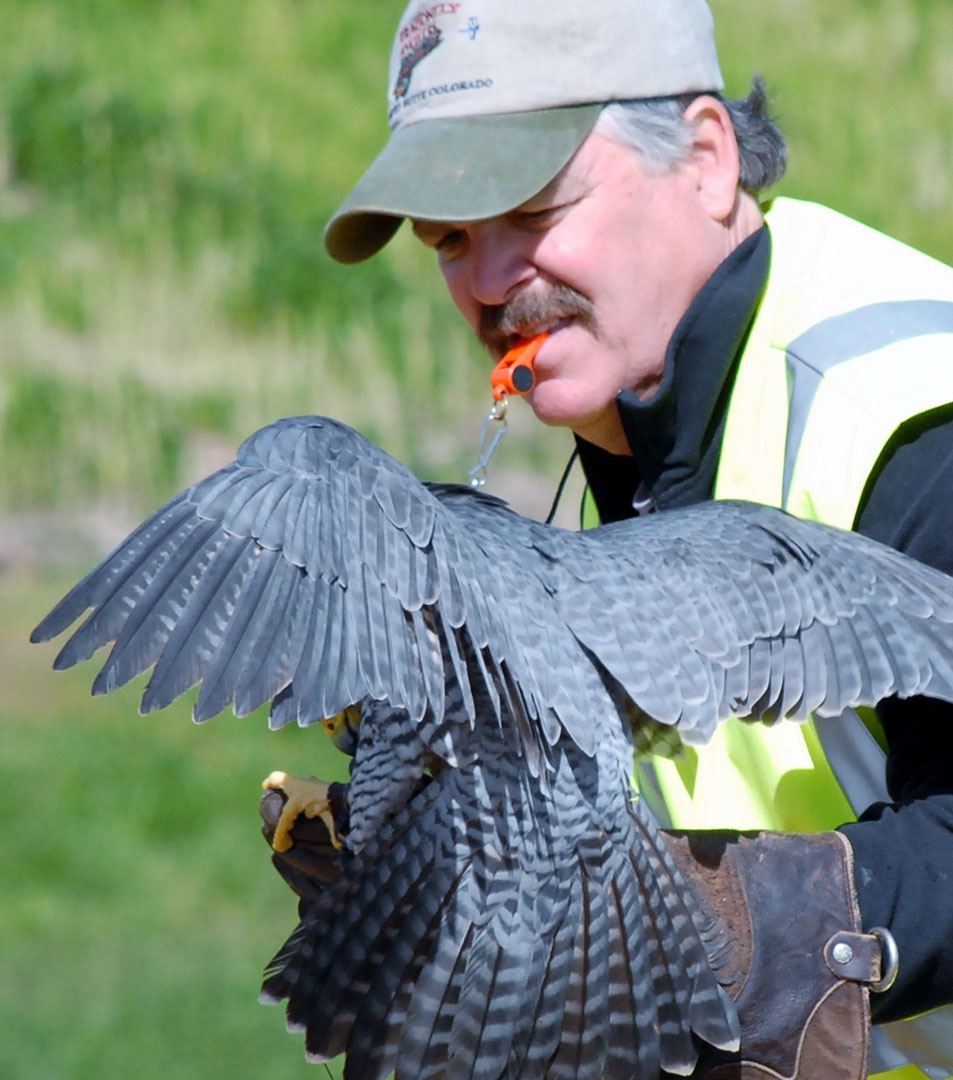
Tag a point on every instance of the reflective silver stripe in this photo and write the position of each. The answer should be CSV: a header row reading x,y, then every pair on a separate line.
x,y
842,337
855,757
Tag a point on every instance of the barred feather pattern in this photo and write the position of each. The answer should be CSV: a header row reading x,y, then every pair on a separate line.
x,y
489,927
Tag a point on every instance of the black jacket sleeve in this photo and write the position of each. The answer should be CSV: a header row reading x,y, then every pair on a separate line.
x,y
903,850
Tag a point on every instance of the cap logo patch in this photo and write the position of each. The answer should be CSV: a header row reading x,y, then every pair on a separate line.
x,y
425,43
418,38
432,25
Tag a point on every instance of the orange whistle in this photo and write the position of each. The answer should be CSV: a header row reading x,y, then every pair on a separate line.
x,y
514,374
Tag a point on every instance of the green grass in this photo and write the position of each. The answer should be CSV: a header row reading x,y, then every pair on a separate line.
x,y
139,904
863,89
166,168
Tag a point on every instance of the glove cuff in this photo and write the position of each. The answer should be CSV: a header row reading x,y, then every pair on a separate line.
x,y
794,959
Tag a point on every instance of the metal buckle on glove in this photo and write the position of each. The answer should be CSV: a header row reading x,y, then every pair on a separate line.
x,y
889,960
869,958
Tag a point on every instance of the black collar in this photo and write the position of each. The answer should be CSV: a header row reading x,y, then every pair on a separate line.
x,y
675,437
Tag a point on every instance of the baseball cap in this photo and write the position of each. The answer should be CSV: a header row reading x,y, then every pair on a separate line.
x,y
489,99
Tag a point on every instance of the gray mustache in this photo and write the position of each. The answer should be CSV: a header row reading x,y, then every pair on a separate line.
x,y
498,322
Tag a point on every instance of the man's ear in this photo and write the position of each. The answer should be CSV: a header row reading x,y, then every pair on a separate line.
x,y
714,155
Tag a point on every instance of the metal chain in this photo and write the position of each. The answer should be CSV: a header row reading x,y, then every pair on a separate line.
x,y
494,428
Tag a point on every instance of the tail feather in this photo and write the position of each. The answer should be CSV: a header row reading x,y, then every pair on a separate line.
x,y
633,1017
684,987
424,1046
464,942
376,960
544,1012
324,967
392,965
401,977
671,989
583,1040
479,1029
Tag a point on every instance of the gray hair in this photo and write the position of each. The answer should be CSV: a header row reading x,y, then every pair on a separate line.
x,y
657,130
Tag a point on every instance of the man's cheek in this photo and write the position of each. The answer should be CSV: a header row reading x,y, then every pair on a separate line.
x,y
462,299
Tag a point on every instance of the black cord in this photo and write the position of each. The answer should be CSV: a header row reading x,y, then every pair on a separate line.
x,y
562,485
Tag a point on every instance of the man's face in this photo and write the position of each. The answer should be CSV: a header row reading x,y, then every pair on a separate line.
x,y
607,258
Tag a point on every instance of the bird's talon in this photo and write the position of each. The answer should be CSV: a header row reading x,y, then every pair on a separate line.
x,y
304,795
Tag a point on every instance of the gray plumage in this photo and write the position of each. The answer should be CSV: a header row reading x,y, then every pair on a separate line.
x,y
518,916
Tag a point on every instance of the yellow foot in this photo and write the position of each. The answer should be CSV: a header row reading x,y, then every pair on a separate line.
x,y
305,795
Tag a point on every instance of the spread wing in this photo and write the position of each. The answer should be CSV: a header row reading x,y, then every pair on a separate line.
x,y
316,571
732,608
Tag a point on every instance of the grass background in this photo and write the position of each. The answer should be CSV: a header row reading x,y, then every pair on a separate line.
x,y
166,167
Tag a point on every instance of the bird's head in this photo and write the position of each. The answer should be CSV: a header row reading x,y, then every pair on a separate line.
x,y
343,728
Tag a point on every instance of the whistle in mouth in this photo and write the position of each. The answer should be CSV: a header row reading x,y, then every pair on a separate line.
x,y
514,374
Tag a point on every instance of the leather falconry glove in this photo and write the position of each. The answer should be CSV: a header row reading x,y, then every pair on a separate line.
x,y
795,960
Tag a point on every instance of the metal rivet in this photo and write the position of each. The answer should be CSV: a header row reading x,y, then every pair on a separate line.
x,y
842,953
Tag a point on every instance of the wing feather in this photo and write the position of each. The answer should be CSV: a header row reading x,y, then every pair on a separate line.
x,y
235,675
145,617
109,578
200,628
738,609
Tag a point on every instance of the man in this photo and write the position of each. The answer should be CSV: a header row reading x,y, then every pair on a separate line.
x,y
577,172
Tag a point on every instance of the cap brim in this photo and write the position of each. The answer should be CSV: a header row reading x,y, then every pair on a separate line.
x,y
455,169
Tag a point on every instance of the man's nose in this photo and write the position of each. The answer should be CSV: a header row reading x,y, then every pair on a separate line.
x,y
499,266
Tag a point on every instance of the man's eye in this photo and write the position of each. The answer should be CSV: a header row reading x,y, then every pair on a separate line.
x,y
450,241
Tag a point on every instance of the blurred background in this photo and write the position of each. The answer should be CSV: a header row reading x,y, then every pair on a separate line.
x,y
166,169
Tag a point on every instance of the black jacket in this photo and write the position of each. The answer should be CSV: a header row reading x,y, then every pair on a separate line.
x,y
903,850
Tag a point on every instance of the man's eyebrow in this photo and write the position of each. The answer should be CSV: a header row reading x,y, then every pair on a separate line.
x,y
544,195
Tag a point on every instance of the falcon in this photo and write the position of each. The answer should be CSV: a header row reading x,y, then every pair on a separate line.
x,y
506,906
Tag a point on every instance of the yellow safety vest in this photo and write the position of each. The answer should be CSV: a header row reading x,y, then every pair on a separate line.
x,y
854,336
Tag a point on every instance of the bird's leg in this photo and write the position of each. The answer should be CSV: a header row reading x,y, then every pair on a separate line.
x,y
305,795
